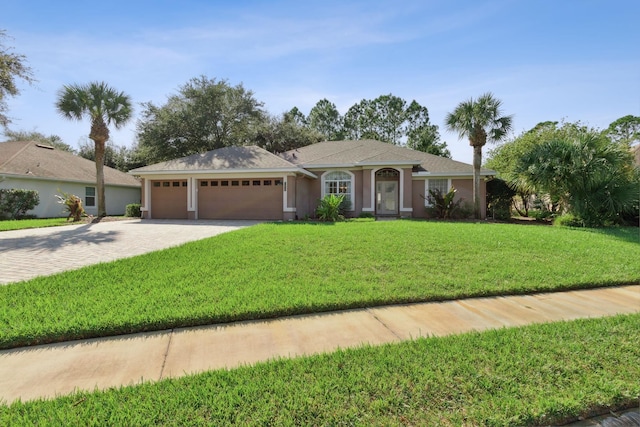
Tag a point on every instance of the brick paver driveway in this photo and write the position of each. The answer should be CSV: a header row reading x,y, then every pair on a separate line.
x,y
25,254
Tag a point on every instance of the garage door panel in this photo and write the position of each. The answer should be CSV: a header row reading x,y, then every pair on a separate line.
x,y
253,200
169,199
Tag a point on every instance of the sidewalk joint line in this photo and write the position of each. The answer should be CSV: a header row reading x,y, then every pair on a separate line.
x,y
369,310
166,354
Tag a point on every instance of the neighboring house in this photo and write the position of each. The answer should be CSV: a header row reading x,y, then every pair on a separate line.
x,y
32,166
636,153
248,182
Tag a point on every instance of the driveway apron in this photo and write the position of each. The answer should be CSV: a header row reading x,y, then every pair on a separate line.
x,y
25,254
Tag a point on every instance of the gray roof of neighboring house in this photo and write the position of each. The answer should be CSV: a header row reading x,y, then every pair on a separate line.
x,y
222,159
368,151
34,160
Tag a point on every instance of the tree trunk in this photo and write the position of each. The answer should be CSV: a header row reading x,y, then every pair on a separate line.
x,y
477,161
100,148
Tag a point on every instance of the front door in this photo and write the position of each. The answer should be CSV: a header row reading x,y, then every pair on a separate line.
x,y
387,198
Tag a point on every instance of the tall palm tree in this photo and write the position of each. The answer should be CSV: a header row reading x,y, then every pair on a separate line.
x,y
480,120
104,106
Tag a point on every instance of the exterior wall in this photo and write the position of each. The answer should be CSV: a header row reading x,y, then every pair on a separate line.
x,y
303,198
417,191
464,187
465,191
116,198
406,206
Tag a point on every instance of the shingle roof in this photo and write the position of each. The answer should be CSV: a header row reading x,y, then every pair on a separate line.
x,y
368,151
225,159
34,160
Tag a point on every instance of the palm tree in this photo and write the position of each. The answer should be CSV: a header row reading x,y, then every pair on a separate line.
x,y
480,120
103,105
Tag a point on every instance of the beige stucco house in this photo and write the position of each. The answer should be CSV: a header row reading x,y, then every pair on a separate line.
x,y
30,165
249,182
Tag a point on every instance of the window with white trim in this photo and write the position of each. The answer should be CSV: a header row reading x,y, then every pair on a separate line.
x,y
339,183
435,184
90,196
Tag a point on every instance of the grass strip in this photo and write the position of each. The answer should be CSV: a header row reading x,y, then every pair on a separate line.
x,y
545,374
21,224
273,270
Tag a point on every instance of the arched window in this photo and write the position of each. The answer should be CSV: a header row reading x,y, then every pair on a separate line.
x,y
338,182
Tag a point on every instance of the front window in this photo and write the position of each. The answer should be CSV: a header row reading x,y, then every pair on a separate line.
x,y
339,183
436,184
90,196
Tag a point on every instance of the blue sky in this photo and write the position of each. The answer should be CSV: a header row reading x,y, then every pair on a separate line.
x,y
546,60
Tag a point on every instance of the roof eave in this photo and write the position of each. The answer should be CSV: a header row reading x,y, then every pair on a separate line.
x,y
458,174
222,171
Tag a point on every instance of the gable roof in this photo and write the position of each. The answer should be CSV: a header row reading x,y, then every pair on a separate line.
x,y
29,159
227,159
369,152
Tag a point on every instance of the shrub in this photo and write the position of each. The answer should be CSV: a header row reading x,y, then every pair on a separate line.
x,y
499,199
331,208
568,220
72,204
443,205
14,203
133,210
366,215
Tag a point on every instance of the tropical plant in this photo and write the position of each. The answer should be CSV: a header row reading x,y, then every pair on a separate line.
x,y
443,205
588,175
331,208
72,204
479,120
104,106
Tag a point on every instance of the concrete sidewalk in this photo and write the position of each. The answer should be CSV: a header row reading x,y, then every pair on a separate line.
x,y
50,370
25,254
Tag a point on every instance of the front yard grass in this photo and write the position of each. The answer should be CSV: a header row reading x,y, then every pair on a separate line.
x,y
20,224
534,375
273,270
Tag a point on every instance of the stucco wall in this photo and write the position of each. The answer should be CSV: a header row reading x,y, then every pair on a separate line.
x,y
116,198
464,191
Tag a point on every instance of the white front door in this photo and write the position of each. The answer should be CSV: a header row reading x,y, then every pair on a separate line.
x,y
387,198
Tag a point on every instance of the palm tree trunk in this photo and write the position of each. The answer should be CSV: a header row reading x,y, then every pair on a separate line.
x,y
477,161
99,148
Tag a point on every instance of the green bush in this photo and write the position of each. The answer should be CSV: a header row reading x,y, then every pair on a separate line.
x,y
133,210
366,215
331,208
14,203
568,220
499,199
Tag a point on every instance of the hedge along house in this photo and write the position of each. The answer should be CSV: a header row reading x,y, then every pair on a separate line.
x,y
29,165
249,182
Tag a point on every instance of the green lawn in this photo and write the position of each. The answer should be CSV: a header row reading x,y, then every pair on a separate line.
x,y
19,224
534,375
280,269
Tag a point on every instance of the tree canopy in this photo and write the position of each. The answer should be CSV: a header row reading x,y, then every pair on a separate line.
x,y
204,115
13,67
574,169
480,120
103,106
387,118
